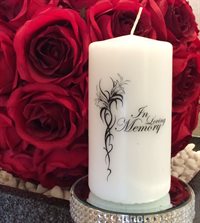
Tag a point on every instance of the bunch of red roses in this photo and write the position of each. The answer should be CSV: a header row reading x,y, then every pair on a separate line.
x,y
43,77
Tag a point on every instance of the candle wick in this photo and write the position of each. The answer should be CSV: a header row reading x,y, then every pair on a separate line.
x,y
136,21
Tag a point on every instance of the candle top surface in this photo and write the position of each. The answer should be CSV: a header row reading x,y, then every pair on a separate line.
x,y
125,40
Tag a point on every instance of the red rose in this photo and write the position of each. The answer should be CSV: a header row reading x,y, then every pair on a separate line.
x,y
194,46
9,139
78,4
46,115
156,8
3,103
62,166
178,192
15,154
52,47
10,9
183,125
180,21
186,85
16,12
108,19
7,61
20,164
180,55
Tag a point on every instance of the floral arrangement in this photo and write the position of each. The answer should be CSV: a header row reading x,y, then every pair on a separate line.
x,y
44,76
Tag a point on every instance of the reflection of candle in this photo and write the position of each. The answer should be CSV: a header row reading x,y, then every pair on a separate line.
x,y
160,205
130,81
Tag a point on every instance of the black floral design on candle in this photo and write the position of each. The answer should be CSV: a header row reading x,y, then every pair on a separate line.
x,y
105,100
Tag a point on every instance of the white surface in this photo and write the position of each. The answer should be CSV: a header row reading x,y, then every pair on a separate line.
x,y
140,161
195,4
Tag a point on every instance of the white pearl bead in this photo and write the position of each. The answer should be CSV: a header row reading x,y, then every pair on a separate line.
x,y
57,192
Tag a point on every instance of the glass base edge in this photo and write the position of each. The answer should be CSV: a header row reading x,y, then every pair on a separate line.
x,y
83,212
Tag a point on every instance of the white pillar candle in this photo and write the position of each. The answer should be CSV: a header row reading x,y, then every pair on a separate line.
x,y
130,85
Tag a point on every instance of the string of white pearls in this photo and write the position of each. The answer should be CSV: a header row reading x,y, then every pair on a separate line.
x,y
186,164
8,179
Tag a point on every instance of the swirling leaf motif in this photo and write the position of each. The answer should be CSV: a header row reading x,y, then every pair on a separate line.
x,y
104,101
